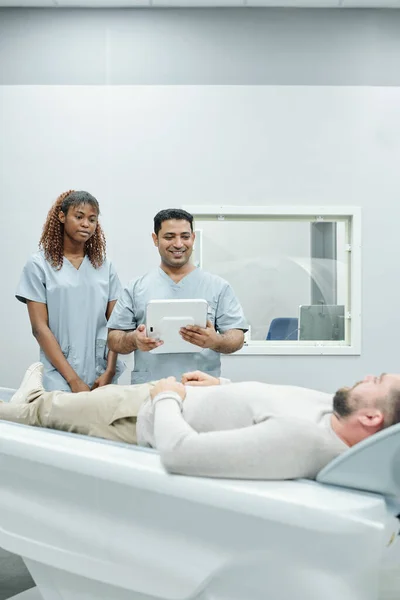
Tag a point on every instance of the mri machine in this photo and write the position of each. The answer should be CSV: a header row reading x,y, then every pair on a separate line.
x,y
98,520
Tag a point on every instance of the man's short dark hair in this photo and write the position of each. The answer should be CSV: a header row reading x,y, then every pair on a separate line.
x,y
171,213
393,407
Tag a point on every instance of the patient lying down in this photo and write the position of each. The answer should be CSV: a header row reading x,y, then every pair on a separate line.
x,y
205,427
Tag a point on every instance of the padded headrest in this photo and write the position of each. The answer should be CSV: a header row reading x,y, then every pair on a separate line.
x,y
372,465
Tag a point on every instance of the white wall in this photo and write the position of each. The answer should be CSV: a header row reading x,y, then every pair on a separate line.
x,y
140,149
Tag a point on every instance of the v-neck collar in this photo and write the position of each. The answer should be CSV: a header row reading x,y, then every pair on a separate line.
x,y
73,266
171,281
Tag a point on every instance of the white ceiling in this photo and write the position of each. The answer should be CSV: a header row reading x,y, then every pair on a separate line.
x,y
203,3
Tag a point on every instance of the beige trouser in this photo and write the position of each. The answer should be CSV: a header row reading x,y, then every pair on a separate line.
x,y
108,412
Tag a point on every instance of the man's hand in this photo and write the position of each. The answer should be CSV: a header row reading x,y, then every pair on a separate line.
x,y
200,336
168,385
144,343
199,378
104,379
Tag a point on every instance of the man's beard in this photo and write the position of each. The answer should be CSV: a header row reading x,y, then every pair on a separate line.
x,y
341,402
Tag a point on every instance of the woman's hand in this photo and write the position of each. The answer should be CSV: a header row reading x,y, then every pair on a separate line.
x,y
77,385
104,379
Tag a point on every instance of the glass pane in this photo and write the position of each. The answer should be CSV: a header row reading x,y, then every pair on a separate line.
x,y
271,268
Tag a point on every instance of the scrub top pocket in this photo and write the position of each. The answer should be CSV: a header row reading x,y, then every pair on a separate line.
x,y
70,354
101,361
101,356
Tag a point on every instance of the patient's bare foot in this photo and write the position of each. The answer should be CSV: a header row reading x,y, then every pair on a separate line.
x,y
31,383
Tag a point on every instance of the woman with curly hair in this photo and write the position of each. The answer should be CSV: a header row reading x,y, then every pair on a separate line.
x,y
70,289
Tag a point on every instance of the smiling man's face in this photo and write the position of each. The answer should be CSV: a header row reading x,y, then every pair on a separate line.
x,y
175,242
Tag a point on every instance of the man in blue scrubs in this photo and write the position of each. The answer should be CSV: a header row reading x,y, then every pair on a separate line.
x,y
176,278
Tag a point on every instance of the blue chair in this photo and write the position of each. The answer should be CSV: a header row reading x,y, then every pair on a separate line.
x,y
283,328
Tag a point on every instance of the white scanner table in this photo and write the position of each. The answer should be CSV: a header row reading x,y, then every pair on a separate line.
x,y
96,520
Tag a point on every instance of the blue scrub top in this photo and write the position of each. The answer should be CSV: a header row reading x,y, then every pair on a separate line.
x,y
224,311
76,302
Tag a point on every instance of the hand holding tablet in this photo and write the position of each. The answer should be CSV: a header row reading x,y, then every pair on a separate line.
x,y
144,343
199,336
177,323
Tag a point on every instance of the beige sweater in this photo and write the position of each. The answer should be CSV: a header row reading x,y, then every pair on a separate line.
x,y
244,430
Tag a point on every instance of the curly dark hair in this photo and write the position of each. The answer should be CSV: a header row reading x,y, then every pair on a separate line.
x,y
52,239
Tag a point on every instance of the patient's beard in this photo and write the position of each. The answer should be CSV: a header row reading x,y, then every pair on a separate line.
x,y
341,402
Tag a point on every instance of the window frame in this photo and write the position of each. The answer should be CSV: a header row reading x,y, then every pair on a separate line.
x,y
351,215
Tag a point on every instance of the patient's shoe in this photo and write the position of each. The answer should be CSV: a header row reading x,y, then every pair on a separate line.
x,y
31,384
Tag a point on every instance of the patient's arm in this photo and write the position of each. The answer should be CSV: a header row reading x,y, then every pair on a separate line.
x,y
278,448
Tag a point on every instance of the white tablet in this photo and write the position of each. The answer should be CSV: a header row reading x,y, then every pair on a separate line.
x,y
164,318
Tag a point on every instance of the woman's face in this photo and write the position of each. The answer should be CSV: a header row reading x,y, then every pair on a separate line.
x,y
80,222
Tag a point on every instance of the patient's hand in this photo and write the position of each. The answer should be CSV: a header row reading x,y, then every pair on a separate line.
x,y
168,385
199,378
